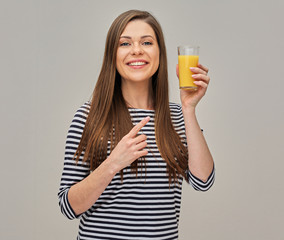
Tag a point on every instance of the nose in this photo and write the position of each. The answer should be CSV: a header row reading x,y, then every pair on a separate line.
x,y
136,49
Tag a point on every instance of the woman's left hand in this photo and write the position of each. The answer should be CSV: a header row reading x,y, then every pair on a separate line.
x,y
189,98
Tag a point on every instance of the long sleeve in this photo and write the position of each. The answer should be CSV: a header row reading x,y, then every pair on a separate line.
x,y
73,172
179,126
200,185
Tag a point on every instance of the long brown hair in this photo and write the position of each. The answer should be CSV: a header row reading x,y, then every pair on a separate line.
x,y
108,107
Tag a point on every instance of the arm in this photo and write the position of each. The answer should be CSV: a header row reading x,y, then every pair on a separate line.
x,y
73,172
200,162
78,196
86,192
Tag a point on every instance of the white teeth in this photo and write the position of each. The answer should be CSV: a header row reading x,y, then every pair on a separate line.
x,y
137,63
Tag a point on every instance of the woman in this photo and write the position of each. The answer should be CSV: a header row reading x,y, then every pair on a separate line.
x,y
124,181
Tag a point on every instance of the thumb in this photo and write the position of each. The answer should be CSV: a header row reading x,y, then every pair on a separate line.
x,y
177,71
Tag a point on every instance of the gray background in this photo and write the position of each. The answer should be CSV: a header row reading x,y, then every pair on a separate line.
x,y
51,53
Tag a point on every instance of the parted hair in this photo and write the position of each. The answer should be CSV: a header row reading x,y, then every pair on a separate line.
x,y
109,119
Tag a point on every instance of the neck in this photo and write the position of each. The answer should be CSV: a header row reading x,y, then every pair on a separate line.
x,y
138,95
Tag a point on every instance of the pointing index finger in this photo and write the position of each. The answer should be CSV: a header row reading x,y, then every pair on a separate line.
x,y
134,131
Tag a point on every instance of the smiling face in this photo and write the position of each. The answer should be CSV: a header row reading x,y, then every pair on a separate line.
x,y
138,53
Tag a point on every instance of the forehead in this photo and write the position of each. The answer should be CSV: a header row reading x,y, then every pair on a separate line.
x,y
138,28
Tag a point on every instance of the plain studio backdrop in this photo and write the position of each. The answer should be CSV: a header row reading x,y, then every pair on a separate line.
x,y
51,54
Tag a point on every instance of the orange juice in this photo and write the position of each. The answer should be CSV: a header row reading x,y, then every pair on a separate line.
x,y
185,75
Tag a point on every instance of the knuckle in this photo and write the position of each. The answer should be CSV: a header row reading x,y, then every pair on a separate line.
x,y
143,145
128,143
136,155
126,137
142,137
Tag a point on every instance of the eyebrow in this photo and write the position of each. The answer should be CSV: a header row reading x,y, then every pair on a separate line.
x,y
144,36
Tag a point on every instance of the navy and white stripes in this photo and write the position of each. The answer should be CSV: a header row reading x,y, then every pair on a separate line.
x,y
142,207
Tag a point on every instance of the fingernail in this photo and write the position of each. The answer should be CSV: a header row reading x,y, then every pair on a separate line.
x,y
194,75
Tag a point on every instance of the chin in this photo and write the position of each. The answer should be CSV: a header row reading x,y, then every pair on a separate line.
x,y
137,78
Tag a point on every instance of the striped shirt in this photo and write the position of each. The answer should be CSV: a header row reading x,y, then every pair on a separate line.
x,y
142,207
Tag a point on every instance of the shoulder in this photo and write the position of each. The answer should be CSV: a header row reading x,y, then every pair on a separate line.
x,y
175,108
177,119
83,111
80,116
176,113
85,108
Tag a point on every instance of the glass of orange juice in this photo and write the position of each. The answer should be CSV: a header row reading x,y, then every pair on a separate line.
x,y
188,56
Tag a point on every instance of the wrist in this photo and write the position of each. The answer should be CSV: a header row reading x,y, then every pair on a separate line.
x,y
188,109
110,166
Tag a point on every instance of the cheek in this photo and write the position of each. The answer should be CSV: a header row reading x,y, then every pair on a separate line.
x,y
157,60
119,60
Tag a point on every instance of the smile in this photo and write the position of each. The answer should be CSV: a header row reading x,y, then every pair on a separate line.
x,y
138,63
